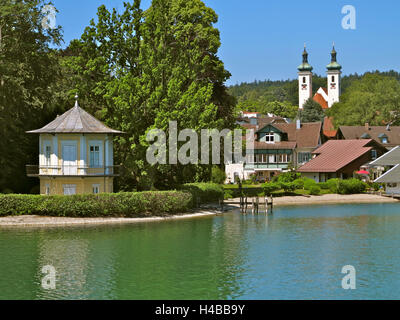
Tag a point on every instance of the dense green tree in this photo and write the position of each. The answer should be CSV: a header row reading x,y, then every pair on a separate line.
x,y
28,70
282,109
311,112
373,99
140,70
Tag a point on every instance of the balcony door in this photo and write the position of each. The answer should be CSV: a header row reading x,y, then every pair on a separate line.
x,y
70,159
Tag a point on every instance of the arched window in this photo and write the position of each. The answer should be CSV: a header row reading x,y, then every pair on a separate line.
x,y
304,79
333,78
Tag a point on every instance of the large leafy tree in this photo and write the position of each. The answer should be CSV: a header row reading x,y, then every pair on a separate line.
x,y
140,70
373,99
28,70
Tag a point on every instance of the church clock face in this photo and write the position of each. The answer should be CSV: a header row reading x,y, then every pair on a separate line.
x,y
304,87
333,85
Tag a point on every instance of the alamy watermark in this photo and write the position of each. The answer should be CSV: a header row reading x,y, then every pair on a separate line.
x,y
188,151
349,20
49,280
49,21
349,280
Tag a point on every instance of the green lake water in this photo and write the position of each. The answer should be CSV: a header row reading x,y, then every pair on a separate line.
x,y
297,253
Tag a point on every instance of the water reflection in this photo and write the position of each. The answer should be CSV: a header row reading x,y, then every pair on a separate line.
x,y
298,252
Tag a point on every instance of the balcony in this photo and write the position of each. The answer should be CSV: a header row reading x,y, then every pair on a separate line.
x,y
72,171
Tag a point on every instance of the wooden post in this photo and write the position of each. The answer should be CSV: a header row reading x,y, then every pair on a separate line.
x,y
245,208
257,203
266,204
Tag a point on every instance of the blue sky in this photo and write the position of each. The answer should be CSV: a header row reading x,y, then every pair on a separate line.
x,y
263,39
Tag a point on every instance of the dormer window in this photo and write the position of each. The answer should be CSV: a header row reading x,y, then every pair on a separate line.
x,y
269,137
383,137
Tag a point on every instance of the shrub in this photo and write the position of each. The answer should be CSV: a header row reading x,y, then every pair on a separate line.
x,y
270,187
315,190
308,183
333,185
351,186
217,175
299,183
323,185
228,194
204,192
288,186
289,176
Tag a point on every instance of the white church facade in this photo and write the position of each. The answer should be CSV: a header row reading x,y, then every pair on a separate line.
x,y
325,97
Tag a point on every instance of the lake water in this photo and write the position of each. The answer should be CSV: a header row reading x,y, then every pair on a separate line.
x,y
297,253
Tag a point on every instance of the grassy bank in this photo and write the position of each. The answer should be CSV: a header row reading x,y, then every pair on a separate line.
x,y
126,204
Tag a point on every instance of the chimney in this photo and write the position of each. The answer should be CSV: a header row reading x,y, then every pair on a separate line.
x,y
388,127
367,126
298,124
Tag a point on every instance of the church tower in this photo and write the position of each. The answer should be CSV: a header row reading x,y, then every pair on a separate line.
x,y
305,80
333,79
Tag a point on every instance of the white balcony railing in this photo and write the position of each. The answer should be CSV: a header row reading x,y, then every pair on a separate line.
x,y
67,170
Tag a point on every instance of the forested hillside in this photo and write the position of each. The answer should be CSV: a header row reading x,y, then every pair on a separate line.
x,y
281,97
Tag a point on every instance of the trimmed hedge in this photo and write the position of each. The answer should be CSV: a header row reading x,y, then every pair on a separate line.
x,y
205,192
126,204
247,191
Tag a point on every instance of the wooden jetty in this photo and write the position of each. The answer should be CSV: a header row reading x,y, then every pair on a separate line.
x,y
254,205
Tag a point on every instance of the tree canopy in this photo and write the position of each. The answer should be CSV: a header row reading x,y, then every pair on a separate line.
x,y
28,71
373,99
311,112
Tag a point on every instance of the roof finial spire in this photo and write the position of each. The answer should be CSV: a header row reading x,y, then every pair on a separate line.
x,y
76,100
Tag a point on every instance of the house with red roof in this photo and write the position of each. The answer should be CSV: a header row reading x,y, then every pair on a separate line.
x,y
341,158
278,145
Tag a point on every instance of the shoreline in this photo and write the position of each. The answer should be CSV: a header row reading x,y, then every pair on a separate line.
x,y
43,221
328,199
206,211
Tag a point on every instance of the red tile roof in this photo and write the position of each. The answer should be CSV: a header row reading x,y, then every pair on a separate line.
x,y
320,99
308,136
328,128
336,154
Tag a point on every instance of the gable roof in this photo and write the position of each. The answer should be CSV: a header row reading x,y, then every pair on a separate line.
x,y
391,158
75,120
321,100
333,155
356,132
308,136
392,175
328,128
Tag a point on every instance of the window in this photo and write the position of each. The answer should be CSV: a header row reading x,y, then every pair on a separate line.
x,y
250,158
385,140
48,155
96,188
304,79
94,157
374,154
333,78
69,189
272,158
283,158
47,191
303,157
269,137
